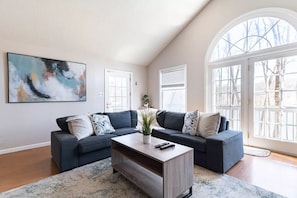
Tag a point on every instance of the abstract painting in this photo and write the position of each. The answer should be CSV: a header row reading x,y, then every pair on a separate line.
x,y
36,79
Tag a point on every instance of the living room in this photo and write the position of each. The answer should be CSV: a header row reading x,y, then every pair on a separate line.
x,y
138,37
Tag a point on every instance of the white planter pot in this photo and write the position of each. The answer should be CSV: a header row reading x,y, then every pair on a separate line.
x,y
147,139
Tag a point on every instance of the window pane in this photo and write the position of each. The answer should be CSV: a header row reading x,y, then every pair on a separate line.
x,y
290,81
174,100
118,82
275,99
173,95
254,34
227,93
290,98
117,91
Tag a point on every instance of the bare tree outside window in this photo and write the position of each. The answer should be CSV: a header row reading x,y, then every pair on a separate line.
x,y
254,34
274,80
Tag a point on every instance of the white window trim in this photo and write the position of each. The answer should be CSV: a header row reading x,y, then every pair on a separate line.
x,y
282,13
279,51
106,70
170,69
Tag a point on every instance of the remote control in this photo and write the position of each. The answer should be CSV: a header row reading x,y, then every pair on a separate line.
x,y
167,146
162,144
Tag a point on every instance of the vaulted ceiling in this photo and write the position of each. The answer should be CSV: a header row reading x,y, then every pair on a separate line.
x,y
128,31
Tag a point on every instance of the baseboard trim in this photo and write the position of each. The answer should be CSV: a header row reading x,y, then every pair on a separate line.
x,y
22,148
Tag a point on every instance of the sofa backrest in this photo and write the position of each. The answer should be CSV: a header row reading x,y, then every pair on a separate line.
x,y
174,120
170,120
224,124
61,122
123,119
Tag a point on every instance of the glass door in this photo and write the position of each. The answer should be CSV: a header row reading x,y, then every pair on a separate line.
x,y
274,107
117,90
226,93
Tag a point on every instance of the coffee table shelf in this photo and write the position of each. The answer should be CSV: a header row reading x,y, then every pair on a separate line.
x,y
141,177
139,158
159,173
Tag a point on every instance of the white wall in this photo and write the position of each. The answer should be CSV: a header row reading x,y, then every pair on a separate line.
x,y
190,47
28,125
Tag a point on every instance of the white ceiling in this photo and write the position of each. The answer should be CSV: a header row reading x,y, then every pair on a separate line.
x,y
127,31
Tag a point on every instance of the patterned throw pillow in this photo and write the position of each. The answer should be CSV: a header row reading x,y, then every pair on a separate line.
x,y
101,124
191,122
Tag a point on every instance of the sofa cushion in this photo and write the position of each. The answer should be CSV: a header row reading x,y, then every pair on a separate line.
x,y
196,142
101,124
80,126
94,143
125,131
208,124
120,119
223,124
164,133
160,117
174,120
134,118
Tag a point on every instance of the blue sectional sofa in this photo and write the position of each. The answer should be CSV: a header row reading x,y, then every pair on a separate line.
x,y
218,152
68,152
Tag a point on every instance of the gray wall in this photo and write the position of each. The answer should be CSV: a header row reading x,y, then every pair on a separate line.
x,y
29,125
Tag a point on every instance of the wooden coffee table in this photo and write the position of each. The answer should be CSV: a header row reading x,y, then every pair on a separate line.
x,y
159,173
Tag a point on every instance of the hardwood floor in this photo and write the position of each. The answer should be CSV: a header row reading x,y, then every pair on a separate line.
x,y
24,167
277,173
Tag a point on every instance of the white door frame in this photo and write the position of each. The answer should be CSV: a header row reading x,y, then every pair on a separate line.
x,y
129,91
274,145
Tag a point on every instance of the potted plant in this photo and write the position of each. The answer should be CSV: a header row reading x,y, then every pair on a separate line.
x,y
147,119
145,100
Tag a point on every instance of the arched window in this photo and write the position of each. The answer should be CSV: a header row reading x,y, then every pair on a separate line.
x,y
254,34
253,74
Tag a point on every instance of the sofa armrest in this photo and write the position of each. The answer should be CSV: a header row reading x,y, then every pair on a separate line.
x,y
224,150
64,150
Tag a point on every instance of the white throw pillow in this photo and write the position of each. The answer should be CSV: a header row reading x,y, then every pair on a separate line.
x,y
208,124
191,122
101,124
80,126
139,120
154,124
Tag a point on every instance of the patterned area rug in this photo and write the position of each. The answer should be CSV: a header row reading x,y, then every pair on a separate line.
x,y
97,180
256,151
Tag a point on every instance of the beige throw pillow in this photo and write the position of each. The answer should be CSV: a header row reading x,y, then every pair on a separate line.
x,y
80,126
208,124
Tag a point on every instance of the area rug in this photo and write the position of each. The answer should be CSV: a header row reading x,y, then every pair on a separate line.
x,y
97,180
256,151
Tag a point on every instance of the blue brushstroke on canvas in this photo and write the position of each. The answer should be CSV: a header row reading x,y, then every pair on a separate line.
x,y
34,79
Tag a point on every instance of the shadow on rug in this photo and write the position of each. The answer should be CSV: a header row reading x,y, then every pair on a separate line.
x,y
97,180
